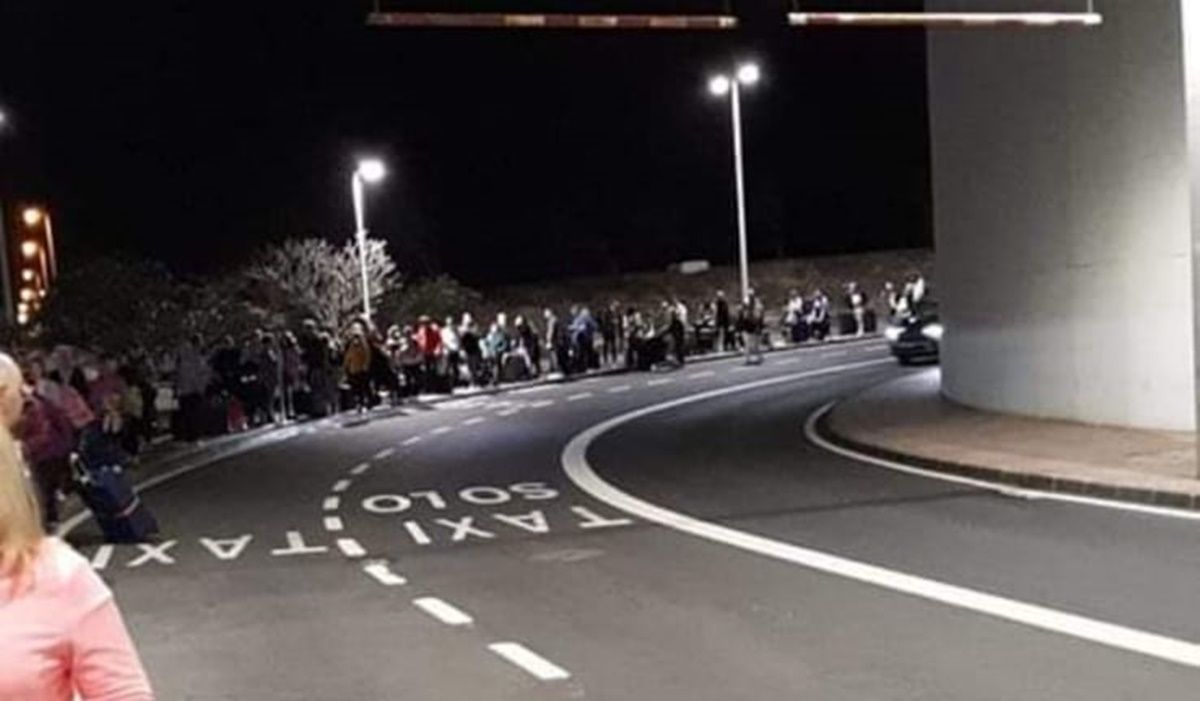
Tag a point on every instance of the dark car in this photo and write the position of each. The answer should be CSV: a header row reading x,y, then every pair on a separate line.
x,y
916,337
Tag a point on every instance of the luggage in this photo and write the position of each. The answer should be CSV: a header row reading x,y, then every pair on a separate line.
x,y
106,491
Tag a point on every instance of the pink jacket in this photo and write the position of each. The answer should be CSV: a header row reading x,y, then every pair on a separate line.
x,y
62,635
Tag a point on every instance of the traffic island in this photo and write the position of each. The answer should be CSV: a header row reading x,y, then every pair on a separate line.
x,y
910,422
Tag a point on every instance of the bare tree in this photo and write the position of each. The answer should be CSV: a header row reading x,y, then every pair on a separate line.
x,y
312,277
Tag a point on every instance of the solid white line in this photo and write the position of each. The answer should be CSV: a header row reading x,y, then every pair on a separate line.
x,y
443,611
574,461
351,547
474,420
331,504
701,374
385,453
441,429
340,486
618,389
810,431
659,382
334,523
530,661
360,468
384,574
412,441
577,397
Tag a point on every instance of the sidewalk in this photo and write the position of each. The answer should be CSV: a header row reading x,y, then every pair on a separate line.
x,y
908,420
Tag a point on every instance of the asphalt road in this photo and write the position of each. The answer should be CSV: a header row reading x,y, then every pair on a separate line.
x,y
456,553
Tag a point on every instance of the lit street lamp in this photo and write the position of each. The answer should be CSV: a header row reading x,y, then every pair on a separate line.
x,y
368,171
721,85
35,216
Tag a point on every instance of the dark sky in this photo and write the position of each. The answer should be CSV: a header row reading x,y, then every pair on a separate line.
x,y
194,131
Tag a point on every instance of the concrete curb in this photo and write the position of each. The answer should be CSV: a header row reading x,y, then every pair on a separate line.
x,y
1026,480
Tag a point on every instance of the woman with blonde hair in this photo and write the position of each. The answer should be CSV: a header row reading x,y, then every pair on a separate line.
x,y
61,636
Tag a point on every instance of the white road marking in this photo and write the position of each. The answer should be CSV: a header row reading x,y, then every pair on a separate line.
x,y
385,453
659,382
334,523
227,548
340,486
331,504
360,468
441,430
618,389
542,403
444,612
530,661
351,547
384,574
835,354
102,557
418,534
810,431
474,420
701,374
411,441
788,361
744,368
577,397
574,461
154,553
297,546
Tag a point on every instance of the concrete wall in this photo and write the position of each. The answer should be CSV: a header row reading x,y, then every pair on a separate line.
x,y
1062,216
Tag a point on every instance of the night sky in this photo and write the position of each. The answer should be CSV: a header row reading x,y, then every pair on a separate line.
x,y
195,131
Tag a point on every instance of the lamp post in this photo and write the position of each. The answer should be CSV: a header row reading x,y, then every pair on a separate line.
x,y
368,171
720,85
35,216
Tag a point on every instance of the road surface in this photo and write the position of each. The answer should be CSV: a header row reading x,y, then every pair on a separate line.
x,y
666,536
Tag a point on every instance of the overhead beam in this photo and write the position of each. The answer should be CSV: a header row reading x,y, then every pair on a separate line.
x,y
494,20
951,20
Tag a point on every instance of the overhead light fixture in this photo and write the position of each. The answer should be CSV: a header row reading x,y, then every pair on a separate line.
x,y
948,20
492,20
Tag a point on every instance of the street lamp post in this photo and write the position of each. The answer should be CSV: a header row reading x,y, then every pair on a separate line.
x,y
721,85
368,171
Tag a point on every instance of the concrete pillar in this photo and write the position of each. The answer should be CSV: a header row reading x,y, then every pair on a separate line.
x,y
1063,213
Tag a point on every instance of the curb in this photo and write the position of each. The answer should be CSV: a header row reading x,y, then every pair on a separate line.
x,y
1025,480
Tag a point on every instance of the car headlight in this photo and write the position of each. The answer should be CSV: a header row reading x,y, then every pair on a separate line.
x,y
933,332
892,333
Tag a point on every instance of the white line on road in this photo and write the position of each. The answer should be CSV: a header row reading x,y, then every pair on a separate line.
x,y
412,441
385,453
530,661
701,374
340,486
542,403
334,524
509,412
441,430
810,431
788,361
619,388
360,468
351,547
384,574
102,557
577,397
574,461
835,354
659,382
474,420
331,504
443,611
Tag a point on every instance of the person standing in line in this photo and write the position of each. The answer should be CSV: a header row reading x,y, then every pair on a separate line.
x,y
751,322
607,323
452,348
63,637
549,341
48,439
292,372
857,302
357,365
583,336
676,331
429,339
269,362
527,340
472,348
723,321
192,376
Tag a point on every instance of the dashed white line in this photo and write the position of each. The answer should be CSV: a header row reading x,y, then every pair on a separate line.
x,y
701,374
102,557
351,547
384,574
412,441
360,468
385,453
659,382
441,430
618,389
542,403
530,661
331,504
444,612
340,486
577,397
788,361
474,420
334,524
509,412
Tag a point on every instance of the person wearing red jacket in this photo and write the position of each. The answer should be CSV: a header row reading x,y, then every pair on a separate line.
x,y
48,437
429,340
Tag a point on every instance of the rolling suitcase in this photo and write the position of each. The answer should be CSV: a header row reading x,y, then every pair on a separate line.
x,y
119,511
